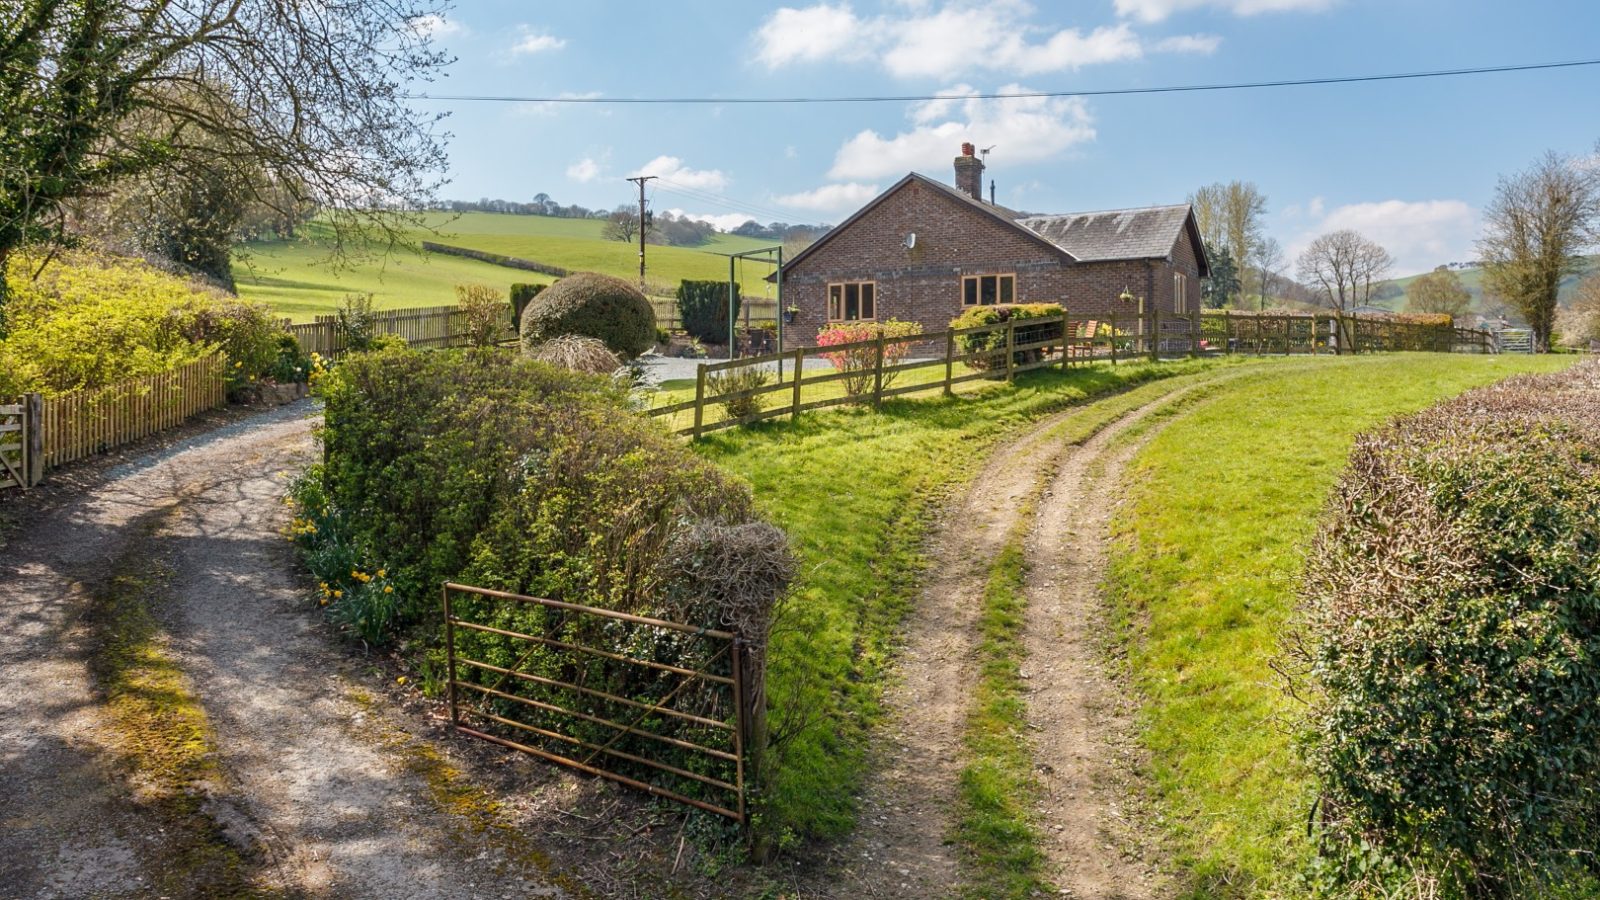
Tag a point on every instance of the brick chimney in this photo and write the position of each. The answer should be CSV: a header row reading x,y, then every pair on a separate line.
x,y
969,173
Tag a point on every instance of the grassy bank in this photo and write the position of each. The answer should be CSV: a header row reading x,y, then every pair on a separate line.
x,y
855,489
1204,574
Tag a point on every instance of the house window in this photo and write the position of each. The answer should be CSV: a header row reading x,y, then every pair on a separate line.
x,y
1180,292
987,290
852,301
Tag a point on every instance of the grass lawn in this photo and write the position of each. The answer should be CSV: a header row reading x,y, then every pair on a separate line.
x,y
1204,573
297,280
855,489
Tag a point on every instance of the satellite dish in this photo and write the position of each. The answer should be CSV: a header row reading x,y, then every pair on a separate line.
x,y
911,240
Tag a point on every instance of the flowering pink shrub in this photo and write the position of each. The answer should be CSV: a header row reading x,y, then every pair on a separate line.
x,y
862,361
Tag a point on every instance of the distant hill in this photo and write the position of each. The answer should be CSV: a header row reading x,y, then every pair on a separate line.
x,y
295,278
1472,277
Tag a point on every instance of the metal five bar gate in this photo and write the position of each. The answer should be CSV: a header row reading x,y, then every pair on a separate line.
x,y
655,705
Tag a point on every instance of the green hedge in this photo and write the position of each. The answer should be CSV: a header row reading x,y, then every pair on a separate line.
x,y
477,467
703,309
1450,648
521,296
989,341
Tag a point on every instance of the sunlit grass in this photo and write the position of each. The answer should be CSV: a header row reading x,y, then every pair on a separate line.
x,y
855,489
1209,552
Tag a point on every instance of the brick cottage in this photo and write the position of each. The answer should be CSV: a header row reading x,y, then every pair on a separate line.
x,y
925,252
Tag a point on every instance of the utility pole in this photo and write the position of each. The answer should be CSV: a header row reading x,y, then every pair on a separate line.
x,y
640,180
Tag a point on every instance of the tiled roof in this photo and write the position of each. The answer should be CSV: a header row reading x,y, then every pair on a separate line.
x,y
1146,233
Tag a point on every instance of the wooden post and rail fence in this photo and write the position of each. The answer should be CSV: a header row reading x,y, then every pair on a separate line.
x,y
869,368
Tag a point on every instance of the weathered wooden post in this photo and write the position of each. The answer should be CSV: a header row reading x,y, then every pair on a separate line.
x,y
699,400
1155,333
1011,343
33,445
1113,339
877,373
799,373
949,361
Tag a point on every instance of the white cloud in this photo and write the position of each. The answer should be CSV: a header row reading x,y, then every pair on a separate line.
x,y
532,40
1023,129
1157,10
957,40
809,35
434,25
831,198
1418,234
1204,44
957,37
672,169
584,170
719,221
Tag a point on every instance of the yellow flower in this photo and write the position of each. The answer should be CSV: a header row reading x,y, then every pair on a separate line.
x,y
338,594
238,365
383,573
388,589
400,680
324,602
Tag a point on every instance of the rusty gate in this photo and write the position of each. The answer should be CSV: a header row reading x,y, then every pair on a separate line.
x,y
655,705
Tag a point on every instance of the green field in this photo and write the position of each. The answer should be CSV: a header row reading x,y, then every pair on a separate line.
x,y
1204,577
299,280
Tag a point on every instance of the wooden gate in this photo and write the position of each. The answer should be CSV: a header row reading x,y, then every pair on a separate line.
x,y
21,456
658,706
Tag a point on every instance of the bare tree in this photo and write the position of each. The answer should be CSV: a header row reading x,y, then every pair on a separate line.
x,y
1439,291
1230,215
1535,231
1342,268
621,225
313,95
1269,264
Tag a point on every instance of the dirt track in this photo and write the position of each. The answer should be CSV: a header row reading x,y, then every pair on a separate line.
x,y
1077,713
310,791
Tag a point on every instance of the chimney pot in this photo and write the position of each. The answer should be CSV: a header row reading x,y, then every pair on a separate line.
x,y
969,173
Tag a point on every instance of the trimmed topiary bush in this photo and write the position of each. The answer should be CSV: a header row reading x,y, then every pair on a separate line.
x,y
1449,649
593,305
703,307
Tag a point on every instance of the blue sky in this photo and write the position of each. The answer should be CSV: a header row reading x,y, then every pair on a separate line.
x,y
1408,163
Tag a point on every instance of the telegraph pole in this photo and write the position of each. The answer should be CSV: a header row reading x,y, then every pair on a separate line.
x,y
640,180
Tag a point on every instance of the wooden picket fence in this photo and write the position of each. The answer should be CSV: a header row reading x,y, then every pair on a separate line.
x,y
87,422
422,327
869,369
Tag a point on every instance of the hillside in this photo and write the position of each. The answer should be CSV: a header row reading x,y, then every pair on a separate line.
x,y
297,279
1472,278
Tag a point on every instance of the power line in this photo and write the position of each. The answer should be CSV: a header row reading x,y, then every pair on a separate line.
x,y
752,209
1105,92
